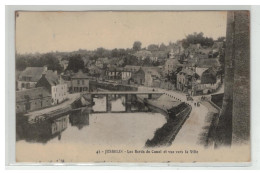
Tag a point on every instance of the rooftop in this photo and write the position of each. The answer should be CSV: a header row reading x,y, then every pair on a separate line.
x,y
80,75
52,77
34,72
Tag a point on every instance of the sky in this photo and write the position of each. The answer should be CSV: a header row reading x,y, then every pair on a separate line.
x,y
69,31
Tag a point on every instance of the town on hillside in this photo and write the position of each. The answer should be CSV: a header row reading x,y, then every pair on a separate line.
x,y
193,66
175,77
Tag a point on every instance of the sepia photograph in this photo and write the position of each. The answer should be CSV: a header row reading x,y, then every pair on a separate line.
x,y
132,86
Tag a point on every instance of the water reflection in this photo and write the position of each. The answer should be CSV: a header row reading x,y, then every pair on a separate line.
x,y
42,131
99,104
46,130
79,118
117,103
62,127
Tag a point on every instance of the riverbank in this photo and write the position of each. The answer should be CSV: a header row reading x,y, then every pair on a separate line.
x,y
52,111
165,135
176,113
199,127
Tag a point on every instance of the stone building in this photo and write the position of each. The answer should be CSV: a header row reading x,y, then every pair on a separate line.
x,y
234,119
152,76
139,77
171,65
29,77
126,75
208,81
186,79
80,82
114,73
55,85
32,99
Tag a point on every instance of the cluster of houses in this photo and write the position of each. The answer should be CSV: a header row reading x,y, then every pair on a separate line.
x,y
38,87
196,71
195,68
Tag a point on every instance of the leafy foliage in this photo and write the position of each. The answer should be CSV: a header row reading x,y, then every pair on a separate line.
x,y
75,63
197,38
153,47
137,46
48,59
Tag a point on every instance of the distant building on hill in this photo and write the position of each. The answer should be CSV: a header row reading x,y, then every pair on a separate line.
x,y
114,73
142,54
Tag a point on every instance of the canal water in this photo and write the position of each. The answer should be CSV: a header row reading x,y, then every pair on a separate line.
x,y
98,129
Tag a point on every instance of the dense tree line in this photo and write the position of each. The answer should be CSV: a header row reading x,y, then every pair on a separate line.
x,y
47,59
126,56
197,38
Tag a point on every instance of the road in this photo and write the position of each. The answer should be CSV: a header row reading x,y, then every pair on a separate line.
x,y
71,99
194,127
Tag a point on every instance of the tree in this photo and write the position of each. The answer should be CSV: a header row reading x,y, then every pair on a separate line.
x,y
137,46
197,38
130,60
147,62
75,63
114,53
163,47
221,38
100,52
51,62
48,59
153,47
21,63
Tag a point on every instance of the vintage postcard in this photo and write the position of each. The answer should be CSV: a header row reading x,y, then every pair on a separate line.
x,y
132,86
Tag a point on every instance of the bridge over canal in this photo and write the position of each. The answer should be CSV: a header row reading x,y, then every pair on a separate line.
x,y
127,94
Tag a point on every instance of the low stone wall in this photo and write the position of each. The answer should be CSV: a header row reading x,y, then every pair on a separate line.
x,y
165,135
217,99
112,87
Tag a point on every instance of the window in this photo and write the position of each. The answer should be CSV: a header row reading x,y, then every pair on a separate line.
x,y
78,82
